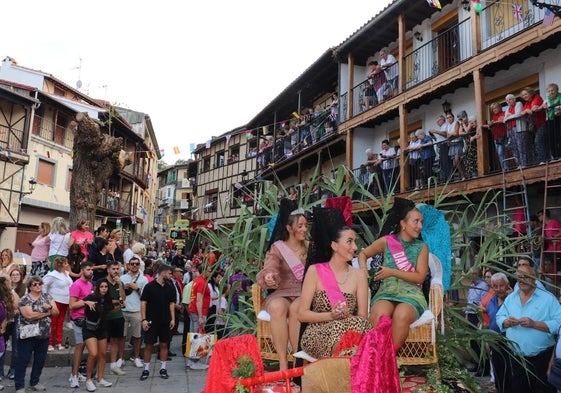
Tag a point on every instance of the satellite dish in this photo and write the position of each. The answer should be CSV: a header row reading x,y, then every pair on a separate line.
x,y
79,84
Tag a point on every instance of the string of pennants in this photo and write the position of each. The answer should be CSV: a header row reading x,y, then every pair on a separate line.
x,y
517,10
118,219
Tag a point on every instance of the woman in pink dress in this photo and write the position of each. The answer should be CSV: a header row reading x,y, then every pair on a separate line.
x,y
283,271
82,236
40,251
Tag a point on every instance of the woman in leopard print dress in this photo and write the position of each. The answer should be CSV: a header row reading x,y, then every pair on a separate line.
x,y
334,295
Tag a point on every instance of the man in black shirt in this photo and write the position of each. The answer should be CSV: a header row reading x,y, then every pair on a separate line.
x,y
158,318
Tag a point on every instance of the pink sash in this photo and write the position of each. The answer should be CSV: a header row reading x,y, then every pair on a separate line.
x,y
329,283
399,256
293,262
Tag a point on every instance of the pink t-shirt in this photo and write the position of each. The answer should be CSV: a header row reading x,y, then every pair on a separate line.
x,y
82,238
79,289
40,250
552,229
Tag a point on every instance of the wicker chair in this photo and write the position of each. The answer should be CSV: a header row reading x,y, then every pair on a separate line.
x,y
420,346
264,338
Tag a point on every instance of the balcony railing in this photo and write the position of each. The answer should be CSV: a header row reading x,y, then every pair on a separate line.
x,y
11,138
440,54
273,151
112,200
501,20
50,131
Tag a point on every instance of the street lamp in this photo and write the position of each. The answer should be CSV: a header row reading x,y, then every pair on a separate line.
x,y
446,107
32,184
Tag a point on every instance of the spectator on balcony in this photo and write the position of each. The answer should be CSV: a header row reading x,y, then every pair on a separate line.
x,y
367,101
519,136
334,109
371,157
293,193
470,132
440,136
533,103
329,129
363,176
456,150
378,79
390,165
497,127
413,149
552,105
389,64
427,156
374,179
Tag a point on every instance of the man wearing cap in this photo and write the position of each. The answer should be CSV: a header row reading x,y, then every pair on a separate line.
x,y
530,318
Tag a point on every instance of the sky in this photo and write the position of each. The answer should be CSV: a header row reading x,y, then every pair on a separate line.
x,y
197,68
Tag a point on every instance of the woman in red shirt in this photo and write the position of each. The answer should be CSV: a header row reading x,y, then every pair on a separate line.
x,y
533,108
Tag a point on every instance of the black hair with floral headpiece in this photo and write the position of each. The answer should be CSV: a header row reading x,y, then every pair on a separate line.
x,y
397,213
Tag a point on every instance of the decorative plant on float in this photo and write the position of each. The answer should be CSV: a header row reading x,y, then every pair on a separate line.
x,y
480,239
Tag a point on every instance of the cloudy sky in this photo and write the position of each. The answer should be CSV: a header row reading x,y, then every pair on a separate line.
x,y
198,68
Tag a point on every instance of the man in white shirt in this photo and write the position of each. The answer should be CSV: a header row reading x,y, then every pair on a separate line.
x,y
390,166
392,72
440,135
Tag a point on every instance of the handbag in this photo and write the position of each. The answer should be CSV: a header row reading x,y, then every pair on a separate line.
x,y
375,264
554,376
91,325
29,331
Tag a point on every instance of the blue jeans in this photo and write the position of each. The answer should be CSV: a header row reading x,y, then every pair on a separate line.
x,y
37,346
499,145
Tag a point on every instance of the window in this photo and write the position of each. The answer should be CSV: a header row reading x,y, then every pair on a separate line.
x,y
46,173
220,159
68,179
234,154
211,202
206,164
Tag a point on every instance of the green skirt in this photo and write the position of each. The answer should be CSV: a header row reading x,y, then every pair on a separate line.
x,y
401,291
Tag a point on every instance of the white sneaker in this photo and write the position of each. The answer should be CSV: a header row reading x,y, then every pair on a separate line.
x,y
74,383
120,363
90,386
138,363
117,371
105,383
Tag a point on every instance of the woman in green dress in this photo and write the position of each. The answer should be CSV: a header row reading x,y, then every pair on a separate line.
x,y
403,271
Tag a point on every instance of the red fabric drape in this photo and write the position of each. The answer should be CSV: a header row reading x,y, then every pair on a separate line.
x,y
223,361
343,203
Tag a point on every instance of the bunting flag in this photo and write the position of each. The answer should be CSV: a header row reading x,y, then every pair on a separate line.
x,y
548,17
168,220
434,3
264,130
517,11
133,220
283,124
228,138
207,145
104,220
118,222
176,150
248,134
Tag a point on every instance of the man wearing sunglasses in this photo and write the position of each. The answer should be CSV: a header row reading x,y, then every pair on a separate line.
x,y
134,283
